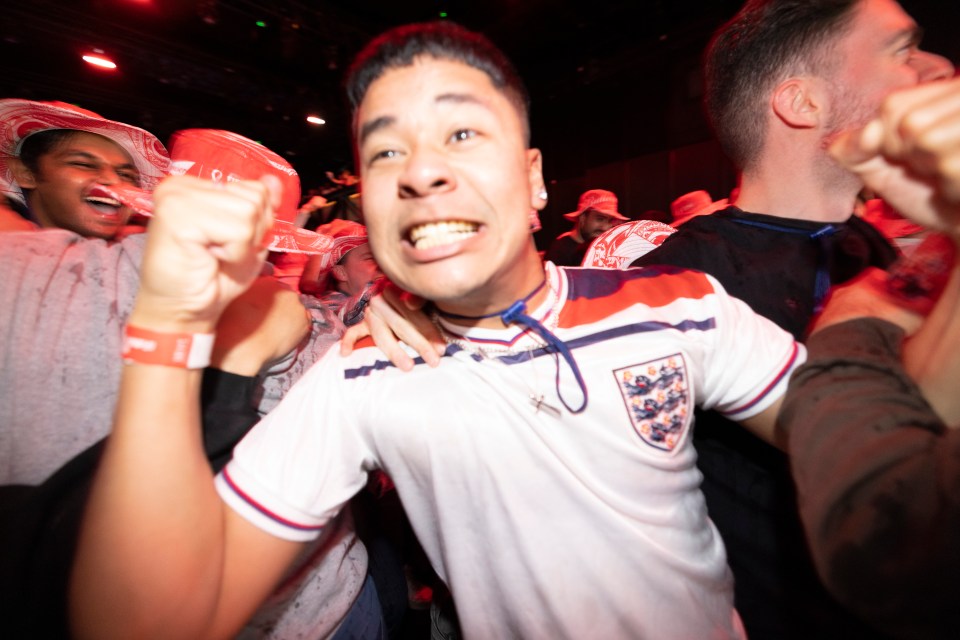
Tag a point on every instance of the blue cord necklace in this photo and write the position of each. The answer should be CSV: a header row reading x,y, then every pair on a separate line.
x,y
516,313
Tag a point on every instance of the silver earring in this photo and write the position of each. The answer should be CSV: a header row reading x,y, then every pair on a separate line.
x,y
543,194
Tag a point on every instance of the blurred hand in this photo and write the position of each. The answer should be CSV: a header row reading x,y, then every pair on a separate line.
x,y
205,246
910,154
396,316
866,296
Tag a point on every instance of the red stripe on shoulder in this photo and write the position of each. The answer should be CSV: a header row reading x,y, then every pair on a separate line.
x,y
592,300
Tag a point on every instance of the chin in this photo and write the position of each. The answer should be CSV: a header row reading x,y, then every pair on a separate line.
x,y
446,290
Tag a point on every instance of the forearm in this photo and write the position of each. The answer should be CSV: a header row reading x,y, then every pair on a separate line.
x,y
160,555
930,356
878,479
153,536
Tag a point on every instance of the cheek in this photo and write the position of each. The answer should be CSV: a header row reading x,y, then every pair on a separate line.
x,y
385,253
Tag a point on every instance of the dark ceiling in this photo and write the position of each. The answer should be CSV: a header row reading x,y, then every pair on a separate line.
x,y
206,63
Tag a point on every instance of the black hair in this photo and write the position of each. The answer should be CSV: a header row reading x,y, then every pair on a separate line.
x,y
442,40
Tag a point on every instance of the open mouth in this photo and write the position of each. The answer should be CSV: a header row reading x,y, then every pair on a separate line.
x,y
435,234
103,203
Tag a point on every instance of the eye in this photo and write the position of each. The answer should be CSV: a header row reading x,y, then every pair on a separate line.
x,y
462,134
130,176
909,46
385,154
82,164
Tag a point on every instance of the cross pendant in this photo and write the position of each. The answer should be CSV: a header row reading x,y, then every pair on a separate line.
x,y
538,403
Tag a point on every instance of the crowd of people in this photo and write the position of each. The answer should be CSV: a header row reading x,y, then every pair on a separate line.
x,y
739,425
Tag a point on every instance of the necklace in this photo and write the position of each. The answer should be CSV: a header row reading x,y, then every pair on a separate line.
x,y
522,302
496,355
516,313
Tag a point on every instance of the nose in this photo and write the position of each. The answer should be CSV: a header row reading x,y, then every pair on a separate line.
x,y
108,175
931,67
426,172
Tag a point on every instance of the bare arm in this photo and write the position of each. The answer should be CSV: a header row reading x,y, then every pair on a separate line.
x,y
159,554
309,279
931,356
763,425
911,156
876,468
265,323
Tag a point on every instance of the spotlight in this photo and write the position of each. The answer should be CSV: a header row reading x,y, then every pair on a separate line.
x,y
98,59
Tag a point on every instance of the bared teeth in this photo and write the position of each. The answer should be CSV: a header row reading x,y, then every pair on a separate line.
x,y
110,202
434,234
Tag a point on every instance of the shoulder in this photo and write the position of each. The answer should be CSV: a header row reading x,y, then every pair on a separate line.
x,y
696,244
591,283
56,250
595,292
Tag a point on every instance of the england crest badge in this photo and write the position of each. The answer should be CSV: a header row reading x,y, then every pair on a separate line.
x,y
657,398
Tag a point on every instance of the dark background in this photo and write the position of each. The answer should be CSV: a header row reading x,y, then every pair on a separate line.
x,y
615,84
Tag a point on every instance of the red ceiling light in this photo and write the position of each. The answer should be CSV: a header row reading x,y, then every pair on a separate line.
x,y
316,120
97,58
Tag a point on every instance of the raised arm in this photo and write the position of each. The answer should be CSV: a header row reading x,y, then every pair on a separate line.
x,y
159,554
911,156
876,467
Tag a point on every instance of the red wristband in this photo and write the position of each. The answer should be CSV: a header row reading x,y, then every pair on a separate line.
x,y
185,350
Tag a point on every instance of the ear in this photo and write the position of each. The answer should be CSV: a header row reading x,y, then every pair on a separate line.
x,y
23,176
535,178
797,102
339,273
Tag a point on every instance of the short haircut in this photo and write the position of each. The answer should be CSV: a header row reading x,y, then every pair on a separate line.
x,y
444,41
765,43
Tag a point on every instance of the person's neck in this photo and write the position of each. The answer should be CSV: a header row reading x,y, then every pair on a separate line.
x,y
532,290
795,195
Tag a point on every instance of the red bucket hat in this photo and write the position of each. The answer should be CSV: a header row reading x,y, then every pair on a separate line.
x,y
224,156
599,200
347,236
20,119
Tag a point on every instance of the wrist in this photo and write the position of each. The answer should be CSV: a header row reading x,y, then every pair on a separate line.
x,y
170,320
182,350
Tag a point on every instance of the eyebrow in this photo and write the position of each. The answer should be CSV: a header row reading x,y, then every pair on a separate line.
x,y
382,122
461,98
375,125
913,35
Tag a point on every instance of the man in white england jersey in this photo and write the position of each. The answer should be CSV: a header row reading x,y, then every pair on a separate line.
x,y
545,463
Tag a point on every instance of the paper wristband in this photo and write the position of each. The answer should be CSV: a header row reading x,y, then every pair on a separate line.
x,y
185,350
